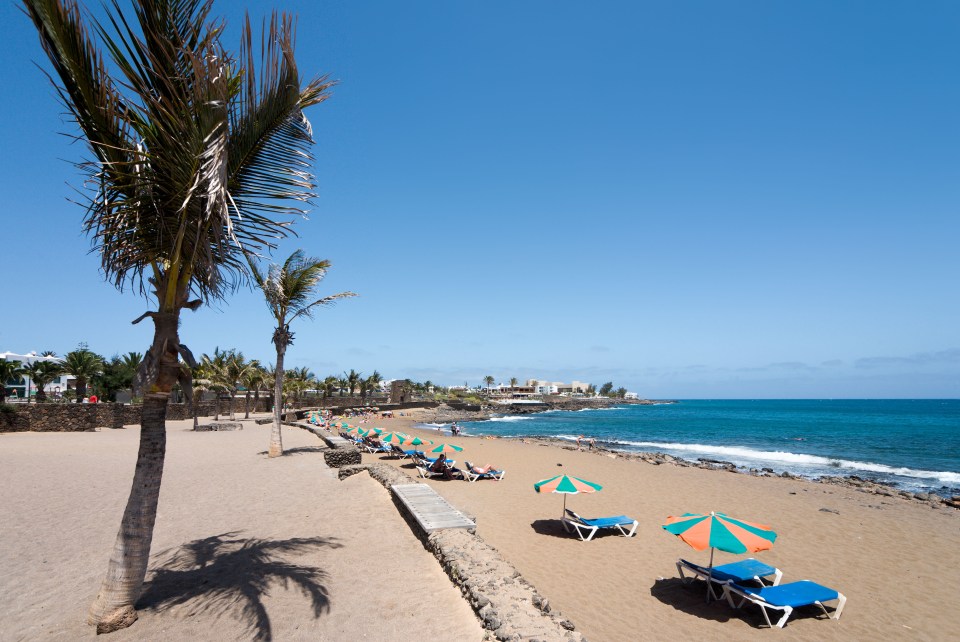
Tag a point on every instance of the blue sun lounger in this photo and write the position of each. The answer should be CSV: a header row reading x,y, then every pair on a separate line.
x,y
592,526
742,571
785,597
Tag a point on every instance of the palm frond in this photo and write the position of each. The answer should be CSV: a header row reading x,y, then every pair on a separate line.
x,y
194,161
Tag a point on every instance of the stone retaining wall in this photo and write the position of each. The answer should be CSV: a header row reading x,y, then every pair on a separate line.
x,y
84,417
508,605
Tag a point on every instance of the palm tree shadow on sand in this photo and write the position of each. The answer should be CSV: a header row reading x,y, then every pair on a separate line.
x,y
226,574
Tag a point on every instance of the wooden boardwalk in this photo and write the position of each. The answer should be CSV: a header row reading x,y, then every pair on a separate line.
x,y
431,511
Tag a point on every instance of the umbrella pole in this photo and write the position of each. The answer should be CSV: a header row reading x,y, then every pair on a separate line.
x,y
710,576
564,513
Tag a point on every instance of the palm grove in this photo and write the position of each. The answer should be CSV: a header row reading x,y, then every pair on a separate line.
x,y
198,161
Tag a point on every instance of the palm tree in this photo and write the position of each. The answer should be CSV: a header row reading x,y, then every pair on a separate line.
x,y
253,379
198,386
342,384
489,381
367,386
9,371
353,380
42,373
328,386
271,374
513,382
236,368
131,363
83,364
288,289
214,370
370,384
197,156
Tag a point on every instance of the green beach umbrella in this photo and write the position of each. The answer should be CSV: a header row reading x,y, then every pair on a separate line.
x,y
392,438
410,440
566,485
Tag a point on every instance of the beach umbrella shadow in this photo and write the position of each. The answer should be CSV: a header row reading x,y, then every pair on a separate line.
x,y
672,592
552,527
229,575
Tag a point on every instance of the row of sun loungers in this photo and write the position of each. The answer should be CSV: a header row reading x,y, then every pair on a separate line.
x,y
733,579
770,595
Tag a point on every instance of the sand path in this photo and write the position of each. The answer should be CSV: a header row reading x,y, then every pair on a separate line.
x,y
245,548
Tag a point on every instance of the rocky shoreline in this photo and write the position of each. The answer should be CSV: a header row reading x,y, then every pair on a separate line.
x,y
852,482
445,414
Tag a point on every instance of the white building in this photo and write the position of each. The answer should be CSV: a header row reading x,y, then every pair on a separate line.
x,y
19,390
574,388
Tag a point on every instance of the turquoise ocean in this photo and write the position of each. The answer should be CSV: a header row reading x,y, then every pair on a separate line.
x,y
910,444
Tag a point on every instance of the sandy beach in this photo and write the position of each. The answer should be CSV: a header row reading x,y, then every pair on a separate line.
x,y
250,548
895,560
245,548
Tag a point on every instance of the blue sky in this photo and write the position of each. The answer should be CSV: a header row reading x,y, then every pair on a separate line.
x,y
691,199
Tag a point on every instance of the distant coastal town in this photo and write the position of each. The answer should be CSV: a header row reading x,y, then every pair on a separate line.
x,y
83,375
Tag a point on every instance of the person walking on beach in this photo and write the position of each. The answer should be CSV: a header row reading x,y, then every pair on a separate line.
x,y
578,441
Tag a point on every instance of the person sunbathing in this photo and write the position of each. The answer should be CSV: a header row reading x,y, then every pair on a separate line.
x,y
446,471
482,470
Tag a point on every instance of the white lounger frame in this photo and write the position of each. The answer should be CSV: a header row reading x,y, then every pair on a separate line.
x,y
472,476
729,590
582,528
706,577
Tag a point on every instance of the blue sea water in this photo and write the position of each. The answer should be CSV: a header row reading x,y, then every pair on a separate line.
x,y
912,444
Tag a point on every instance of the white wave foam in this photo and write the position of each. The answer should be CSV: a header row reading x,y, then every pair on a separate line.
x,y
737,452
509,418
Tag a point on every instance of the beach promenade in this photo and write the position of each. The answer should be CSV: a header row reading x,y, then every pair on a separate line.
x,y
245,548
248,548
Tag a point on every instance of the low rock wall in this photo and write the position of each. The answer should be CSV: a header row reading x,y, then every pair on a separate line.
x,y
337,454
87,417
508,605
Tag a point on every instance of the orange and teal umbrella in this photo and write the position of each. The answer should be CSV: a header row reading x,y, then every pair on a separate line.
x,y
392,437
719,531
446,449
566,485
414,441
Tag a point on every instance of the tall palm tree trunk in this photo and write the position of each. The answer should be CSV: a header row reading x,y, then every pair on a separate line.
x,y
114,606
246,405
276,443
